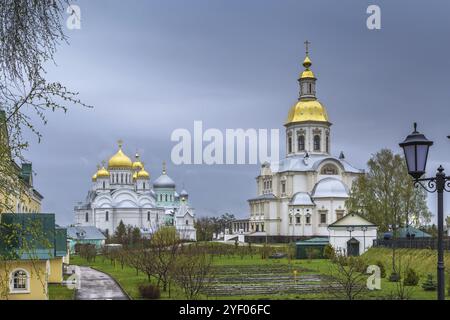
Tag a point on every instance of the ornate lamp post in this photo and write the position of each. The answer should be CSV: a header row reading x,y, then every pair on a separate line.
x,y
416,148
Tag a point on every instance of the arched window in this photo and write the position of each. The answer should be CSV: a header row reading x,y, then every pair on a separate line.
x,y
104,185
327,144
86,217
144,186
121,178
20,281
166,197
310,88
316,142
107,216
160,197
148,215
301,143
187,222
329,169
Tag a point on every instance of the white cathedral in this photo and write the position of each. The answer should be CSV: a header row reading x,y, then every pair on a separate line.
x,y
122,192
305,192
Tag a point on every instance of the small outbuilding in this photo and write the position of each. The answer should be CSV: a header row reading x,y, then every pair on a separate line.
x,y
85,235
352,235
313,248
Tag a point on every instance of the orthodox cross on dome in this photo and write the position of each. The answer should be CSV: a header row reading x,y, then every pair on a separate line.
x,y
307,43
120,143
103,163
164,167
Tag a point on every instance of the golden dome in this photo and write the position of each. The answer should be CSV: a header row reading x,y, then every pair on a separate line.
x,y
137,165
135,176
94,177
307,73
307,62
307,110
143,174
102,173
120,160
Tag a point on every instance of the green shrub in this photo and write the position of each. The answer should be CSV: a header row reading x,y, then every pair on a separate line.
x,y
394,277
312,253
380,265
358,264
429,284
149,291
328,252
411,277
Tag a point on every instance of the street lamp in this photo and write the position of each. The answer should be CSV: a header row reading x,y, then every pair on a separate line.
x,y
416,148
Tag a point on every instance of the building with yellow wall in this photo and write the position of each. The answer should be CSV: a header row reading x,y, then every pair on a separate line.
x,y
32,251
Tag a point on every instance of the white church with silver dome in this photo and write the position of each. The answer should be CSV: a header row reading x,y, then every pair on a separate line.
x,y
304,193
123,192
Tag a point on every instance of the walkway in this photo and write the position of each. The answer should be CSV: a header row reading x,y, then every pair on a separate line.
x,y
96,285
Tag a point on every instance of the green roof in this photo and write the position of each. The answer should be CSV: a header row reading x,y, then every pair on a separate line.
x,y
60,242
28,236
313,241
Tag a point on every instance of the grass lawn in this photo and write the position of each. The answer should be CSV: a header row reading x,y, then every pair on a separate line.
x,y
60,292
423,261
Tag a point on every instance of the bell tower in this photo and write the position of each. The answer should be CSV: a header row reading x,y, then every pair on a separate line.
x,y
307,126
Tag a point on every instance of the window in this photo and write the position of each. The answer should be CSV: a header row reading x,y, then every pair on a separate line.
x,y
301,143
308,219
310,88
297,220
339,214
323,218
187,222
290,143
160,197
86,217
327,144
107,216
144,186
316,142
20,281
262,227
166,197
157,218
104,185
148,215
290,220
283,187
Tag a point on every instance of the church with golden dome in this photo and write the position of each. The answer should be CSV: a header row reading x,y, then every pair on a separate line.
x,y
303,193
121,191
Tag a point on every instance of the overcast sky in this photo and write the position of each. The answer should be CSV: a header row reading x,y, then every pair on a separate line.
x,y
149,67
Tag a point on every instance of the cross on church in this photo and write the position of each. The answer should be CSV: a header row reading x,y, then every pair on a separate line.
x,y
120,143
307,43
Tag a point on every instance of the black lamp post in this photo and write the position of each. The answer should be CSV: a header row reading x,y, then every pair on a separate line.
x,y
416,147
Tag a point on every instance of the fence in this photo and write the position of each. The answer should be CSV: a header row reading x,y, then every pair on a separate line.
x,y
423,243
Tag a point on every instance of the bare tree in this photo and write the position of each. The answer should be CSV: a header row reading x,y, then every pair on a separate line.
x,y
346,280
30,32
165,245
192,272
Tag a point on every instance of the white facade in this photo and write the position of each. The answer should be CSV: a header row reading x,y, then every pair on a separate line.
x,y
123,192
302,194
352,235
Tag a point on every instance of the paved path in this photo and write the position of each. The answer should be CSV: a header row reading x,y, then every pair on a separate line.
x,y
96,285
